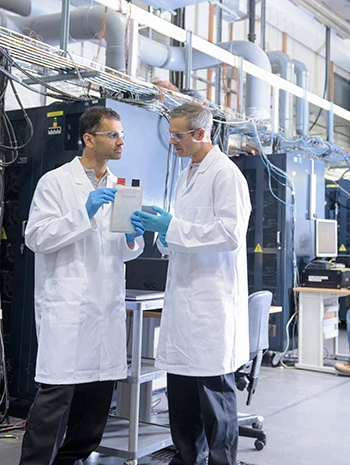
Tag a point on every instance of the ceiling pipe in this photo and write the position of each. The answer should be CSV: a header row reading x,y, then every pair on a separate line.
x,y
283,65
302,105
257,93
84,24
20,7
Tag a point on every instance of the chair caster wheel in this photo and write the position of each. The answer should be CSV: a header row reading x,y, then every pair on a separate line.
x,y
259,445
276,359
257,425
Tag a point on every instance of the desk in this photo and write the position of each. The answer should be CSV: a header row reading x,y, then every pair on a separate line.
x,y
317,320
158,314
132,439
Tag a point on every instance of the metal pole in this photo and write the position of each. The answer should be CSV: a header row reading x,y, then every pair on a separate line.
x,y
218,72
328,60
263,24
240,106
64,25
133,52
135,386
188,60
330,125
330,116
251,35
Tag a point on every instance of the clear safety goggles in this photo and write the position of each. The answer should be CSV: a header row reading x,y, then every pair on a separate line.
x,y
179,136
114,135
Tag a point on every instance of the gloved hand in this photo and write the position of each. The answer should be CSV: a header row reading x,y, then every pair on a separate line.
x,y
156,223
136,222
97,198
161,237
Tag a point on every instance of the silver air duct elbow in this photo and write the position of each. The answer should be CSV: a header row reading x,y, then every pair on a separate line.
x,y
283,65
302,105
257,91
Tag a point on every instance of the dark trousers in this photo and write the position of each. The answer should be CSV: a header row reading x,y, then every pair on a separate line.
x,y
203,412
79,410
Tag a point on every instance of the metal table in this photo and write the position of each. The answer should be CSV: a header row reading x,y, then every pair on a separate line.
x,y
132,439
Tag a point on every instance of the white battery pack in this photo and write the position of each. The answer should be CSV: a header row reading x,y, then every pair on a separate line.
x,y
126,201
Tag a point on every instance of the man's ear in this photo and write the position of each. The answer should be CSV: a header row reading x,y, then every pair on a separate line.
x,y
199,134
88,139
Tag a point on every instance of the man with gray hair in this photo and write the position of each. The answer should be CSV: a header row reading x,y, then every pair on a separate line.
x,y
204,329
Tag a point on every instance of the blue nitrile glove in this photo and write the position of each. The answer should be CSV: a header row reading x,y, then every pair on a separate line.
x,y
161,237
97,198
136,222
156,223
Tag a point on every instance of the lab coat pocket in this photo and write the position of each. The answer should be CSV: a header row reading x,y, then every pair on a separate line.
x,y
208,299
67,301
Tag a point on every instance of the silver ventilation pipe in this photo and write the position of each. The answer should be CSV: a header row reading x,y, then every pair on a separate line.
x,y
282,64
257,91
20,7
302,105
84,24
257,94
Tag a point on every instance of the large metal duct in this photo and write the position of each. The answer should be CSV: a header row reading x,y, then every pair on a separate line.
x,y
302,105
20,7
283,65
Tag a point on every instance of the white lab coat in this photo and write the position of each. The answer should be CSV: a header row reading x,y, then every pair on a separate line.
x,y
79,281
204,326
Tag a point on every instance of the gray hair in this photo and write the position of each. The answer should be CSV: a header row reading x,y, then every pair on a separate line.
x,y
197,115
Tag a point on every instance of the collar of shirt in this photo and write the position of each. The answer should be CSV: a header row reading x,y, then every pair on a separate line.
x,y
191,172
92,176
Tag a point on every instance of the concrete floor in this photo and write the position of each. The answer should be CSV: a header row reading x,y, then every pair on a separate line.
x,y
306,416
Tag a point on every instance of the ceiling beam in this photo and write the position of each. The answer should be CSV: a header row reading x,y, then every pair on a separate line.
x,y
326,16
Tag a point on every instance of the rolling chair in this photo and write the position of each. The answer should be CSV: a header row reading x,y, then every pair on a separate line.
x,y
250,425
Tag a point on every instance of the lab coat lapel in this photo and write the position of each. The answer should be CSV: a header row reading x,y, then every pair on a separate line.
x,y
80,177
110,183
84,183
206,162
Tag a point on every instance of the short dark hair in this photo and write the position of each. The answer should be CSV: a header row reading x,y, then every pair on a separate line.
x,y
90,120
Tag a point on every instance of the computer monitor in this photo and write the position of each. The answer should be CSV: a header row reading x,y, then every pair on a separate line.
x,y
326,238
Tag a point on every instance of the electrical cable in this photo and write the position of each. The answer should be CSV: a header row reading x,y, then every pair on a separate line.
x,y
37,91
36,79
326,84
14,148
